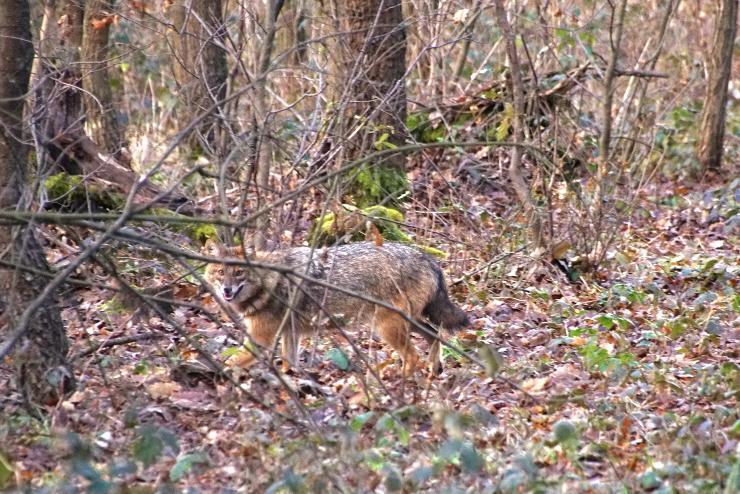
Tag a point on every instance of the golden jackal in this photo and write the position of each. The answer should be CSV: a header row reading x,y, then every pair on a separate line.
x,y
280,303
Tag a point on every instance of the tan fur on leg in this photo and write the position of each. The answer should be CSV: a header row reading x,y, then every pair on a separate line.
x,y
393,329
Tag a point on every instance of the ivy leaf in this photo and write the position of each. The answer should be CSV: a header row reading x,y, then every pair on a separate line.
x,y
470,459
492,360
565,432
360,420
338,358
6,472
185,463
148,446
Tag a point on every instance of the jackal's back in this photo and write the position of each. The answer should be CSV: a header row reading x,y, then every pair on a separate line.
x,y
395,274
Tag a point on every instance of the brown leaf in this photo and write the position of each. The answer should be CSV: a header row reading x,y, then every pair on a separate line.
x,y
536,384
162,389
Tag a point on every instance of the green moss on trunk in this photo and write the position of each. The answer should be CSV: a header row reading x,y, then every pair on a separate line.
x,y
68,192
350,225
373,184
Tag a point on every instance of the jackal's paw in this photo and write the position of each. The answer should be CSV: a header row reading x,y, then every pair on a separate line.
x,y
410,366
435,368
242,359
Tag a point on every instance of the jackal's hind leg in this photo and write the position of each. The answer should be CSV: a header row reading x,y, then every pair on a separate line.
x,y
431,335
393,329
289,344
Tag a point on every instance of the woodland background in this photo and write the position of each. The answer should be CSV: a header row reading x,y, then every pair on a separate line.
x,y
572,164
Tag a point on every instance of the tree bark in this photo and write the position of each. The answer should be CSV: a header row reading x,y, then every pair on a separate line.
x,y
374,38
261,119
199,64
370,91
40,357
709,149
100,111
521,187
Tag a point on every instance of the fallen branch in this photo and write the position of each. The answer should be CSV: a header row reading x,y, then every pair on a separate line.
x,y
123,340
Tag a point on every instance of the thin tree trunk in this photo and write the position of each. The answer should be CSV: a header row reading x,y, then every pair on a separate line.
x,y
609,78
604,178
467,35
200,66
42,371
261,119
711,142
515,165
100,110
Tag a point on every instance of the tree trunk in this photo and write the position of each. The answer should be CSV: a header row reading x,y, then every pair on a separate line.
x,y
516,84
59,103
200,65
261,119
100,112
371,88
709,149
39,356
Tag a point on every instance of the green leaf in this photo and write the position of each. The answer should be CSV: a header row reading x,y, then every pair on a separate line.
x,y
83,468
6,472
422,474
606,321
122,468
470,459
650,481
185,464
403,435
148,446
492,360
338,358
507,116
291,482
393,481
449,449
733,481
385,423
482,415
734,431
169,439
99,486
565,432
360,420
513,481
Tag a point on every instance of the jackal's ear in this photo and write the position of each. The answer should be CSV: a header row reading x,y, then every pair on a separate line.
x,y
212,248
249,252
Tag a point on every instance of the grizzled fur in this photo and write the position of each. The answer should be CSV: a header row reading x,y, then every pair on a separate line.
x,y
396,274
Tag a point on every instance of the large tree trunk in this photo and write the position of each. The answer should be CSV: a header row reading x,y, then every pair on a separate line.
x,y
59,105
371,91
100,112
39,356
199,65
373,32
709,149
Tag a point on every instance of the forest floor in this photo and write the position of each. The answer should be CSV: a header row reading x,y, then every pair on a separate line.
x,y
625,381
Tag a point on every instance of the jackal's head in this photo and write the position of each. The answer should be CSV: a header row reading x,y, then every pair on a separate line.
x,y
236,283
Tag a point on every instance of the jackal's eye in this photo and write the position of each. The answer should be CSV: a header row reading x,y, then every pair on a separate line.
x,y
238,272
220,271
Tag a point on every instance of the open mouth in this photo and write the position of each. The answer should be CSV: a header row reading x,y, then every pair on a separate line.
x,y
231,294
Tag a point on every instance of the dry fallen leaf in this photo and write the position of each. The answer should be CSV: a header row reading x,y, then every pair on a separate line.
x,y
162,389
535,384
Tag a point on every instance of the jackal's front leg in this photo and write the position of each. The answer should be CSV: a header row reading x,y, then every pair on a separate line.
x,y
262,333
393,329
